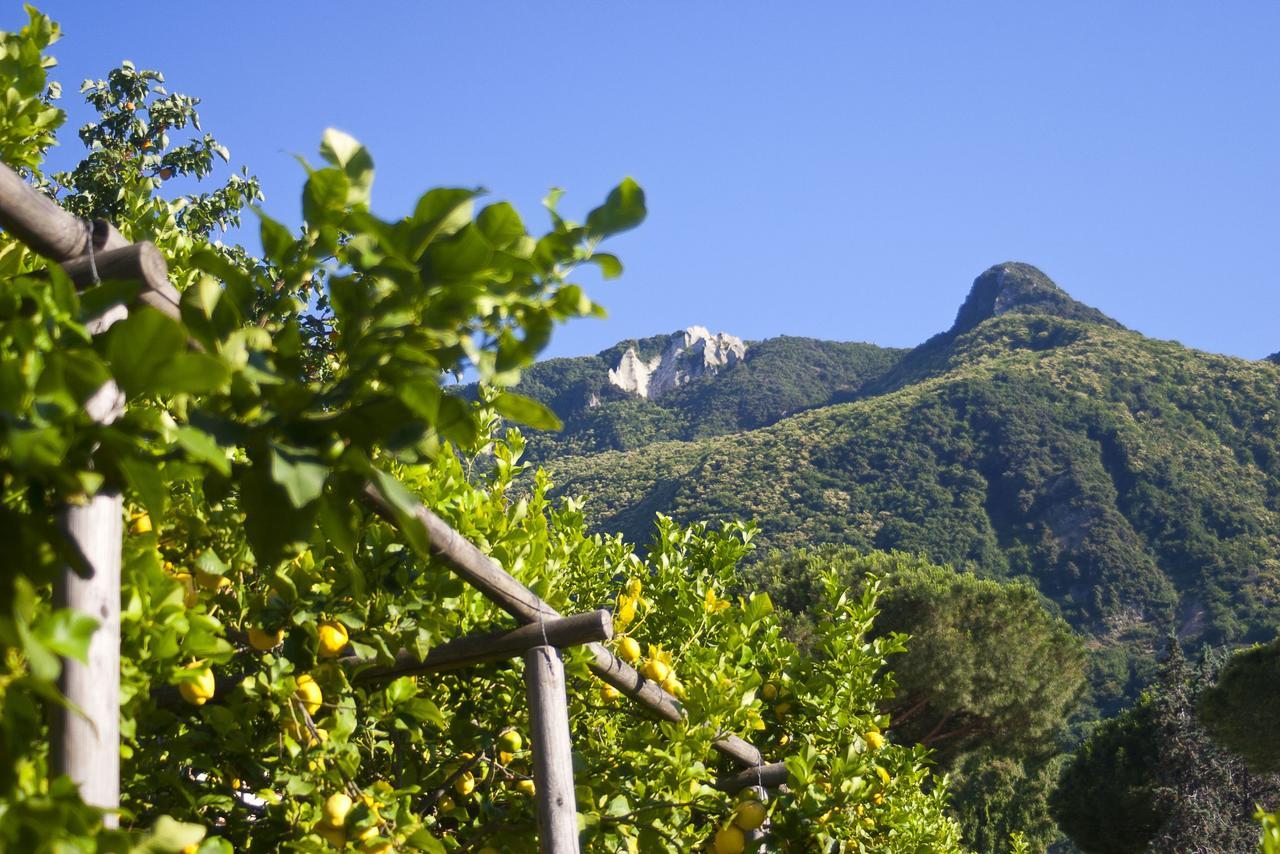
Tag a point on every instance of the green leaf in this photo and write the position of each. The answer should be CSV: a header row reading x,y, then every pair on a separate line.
x,y
610,266
353,159
324,197
202,447
300,471
141,347
145,478
501,225
526,410
622,209
276,239
67,633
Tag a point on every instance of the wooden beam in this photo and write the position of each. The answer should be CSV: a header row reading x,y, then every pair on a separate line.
x,y
137,262
483,573
451,655
490,646
769,776
46,228
552,751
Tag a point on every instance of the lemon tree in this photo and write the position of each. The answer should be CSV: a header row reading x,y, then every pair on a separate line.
x,y
252,573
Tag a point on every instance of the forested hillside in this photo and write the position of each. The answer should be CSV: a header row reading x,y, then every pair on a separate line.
x,y
1135,481
779,377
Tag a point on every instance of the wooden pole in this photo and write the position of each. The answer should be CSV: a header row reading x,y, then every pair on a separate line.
x,y
552,751
769,776
483,573
85,739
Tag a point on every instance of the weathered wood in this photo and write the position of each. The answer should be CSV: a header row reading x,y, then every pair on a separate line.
x,y
491,646
452,655
769,776
85,745
483,573
137,262
42,225
552,751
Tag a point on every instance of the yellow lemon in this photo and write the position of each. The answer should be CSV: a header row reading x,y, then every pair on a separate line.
x,y
141,524
336,808
368,833
626,610
190,598
511,741
191,849
309,694
527,787
262,641
608,693
505,758
446,804
333,639
780,711
883,775
382,846
335,836
465,784
769,692
673,686
199,691
655,670
749,815
875,739
629,650
212,581
730,840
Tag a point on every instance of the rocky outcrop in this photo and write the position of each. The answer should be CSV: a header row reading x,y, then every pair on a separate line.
x,y
688,354
1014,287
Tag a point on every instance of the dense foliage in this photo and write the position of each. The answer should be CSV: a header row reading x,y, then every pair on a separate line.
x,y
1242,710
256,588
993,710
1151,778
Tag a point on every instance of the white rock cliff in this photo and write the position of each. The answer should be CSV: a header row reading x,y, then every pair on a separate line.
x,y
693,352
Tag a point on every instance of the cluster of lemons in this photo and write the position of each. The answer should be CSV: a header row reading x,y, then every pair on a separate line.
x,y
333,640
731,838
658,666
333,826
510,745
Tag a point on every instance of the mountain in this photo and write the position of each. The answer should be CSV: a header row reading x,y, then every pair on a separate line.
x,y
1135,481
689,385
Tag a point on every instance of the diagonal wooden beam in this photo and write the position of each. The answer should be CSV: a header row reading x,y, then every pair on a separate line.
x,y
483,573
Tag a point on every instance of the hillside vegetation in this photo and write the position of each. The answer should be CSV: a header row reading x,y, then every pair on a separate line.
x,y
780,376
1134,481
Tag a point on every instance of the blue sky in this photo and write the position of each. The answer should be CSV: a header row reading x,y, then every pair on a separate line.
x,y
832,169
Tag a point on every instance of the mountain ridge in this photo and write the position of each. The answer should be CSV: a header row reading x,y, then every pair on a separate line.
x,y
1135,481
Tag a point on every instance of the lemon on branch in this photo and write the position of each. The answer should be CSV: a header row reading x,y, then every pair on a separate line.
x,y
309,694
333,639
527,787
211,581
199,690
465,784
336,807
629,650
730,840
141,524
263,641
874,738
750,814
511,741
655,670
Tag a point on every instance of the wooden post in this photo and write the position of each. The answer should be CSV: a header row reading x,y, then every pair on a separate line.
x,y
552,753
85,744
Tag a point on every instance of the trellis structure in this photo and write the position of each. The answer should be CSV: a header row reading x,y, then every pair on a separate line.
x,y
86,744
